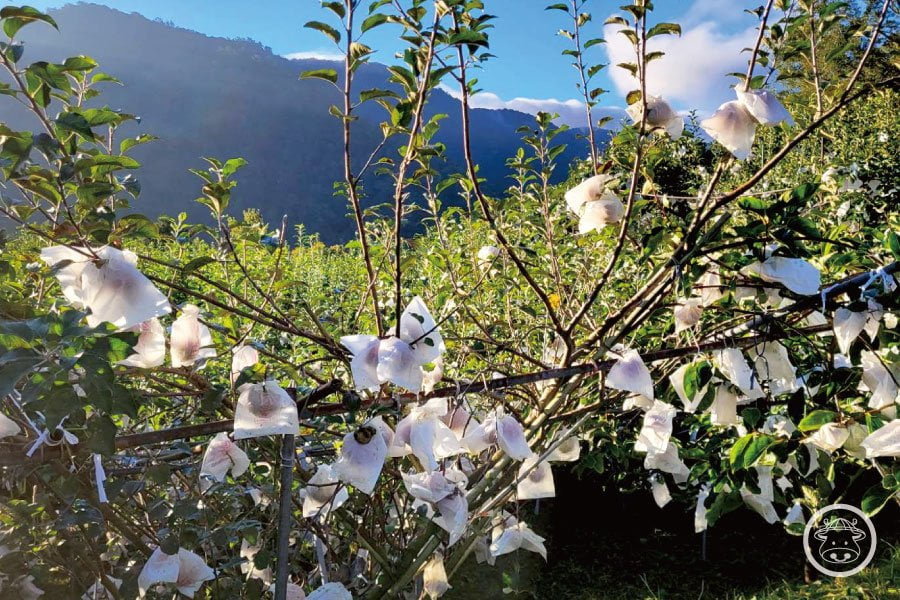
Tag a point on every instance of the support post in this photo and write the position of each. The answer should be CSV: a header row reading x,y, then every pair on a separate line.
x,y
284,516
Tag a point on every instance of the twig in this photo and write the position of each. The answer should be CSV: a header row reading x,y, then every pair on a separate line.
x,y
422,92
814,61
584,91
759,39
483,203
865,57
349,179
282,315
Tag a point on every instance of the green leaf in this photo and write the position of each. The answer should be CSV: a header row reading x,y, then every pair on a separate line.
x,y
593,42
41,187
116,347
326,74
874,422
129,143
696,376
751,417
17,148
756,205
159,474
892,243
232,166
136,225
816,419
373,21
102,435
13,51
594,69
632,37
724,503
558,6
101,116
195,264
325,28
359,51
375,93
213,398
335,7
637,10
468,36
664,29
102,164
49,74
16,17
875,498
26,331
802,193
749,449
95,192
630,67
75,123
104,77
14,365
80,63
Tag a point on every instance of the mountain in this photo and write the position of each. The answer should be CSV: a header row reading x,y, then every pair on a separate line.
x,y
208,96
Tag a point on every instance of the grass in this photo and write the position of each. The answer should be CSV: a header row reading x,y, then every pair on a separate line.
x,y
880,580
607,546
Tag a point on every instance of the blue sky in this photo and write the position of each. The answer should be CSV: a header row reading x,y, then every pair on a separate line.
x,y
529,72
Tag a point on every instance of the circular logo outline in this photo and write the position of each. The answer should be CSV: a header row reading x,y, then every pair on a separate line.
x,y
816,517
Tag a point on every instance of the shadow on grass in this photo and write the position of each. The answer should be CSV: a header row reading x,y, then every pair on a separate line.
x,y
605,545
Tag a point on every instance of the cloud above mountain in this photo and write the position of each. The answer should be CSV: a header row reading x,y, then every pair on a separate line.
x,y
571,112
693,72
315,54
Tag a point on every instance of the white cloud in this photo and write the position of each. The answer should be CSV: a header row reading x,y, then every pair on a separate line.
x,y
720,11
316,54
692,74
571,112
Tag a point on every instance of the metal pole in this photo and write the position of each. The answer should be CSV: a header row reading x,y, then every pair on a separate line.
x,y
284,516
320,558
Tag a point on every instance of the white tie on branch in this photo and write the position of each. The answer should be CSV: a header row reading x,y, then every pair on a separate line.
x,y
99,478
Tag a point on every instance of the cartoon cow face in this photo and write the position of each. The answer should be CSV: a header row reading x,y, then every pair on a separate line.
x,y
839,541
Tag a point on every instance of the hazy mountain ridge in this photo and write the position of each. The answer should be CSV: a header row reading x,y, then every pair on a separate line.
x,y
207,96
